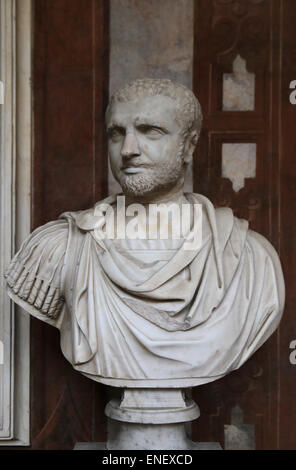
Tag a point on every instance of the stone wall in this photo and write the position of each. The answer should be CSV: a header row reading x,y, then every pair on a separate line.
x,y
150,38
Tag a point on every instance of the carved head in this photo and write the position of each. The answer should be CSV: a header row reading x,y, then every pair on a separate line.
x,y
153,127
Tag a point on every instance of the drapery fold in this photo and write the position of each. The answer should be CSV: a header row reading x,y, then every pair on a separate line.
x,y
146,310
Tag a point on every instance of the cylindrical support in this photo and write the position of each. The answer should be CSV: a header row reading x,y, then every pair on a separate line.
x,y
150,419
132,436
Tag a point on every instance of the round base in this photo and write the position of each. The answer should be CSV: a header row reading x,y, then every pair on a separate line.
x,y
131,436
150,419
151,415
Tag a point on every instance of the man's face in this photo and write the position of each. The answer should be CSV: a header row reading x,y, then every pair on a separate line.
x,y
145,145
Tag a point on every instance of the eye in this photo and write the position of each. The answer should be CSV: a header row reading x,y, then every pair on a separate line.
x,y
116,134
151,132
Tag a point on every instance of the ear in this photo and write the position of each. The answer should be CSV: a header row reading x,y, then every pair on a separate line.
x,y
190,144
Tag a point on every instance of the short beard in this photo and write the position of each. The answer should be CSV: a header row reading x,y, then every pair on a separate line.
x,y
157,179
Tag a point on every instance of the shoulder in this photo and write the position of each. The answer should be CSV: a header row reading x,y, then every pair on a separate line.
x,y
52,234
224,226
88,219
258,243
34,274
47,242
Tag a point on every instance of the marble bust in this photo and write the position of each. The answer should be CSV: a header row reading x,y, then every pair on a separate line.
x,y
144,312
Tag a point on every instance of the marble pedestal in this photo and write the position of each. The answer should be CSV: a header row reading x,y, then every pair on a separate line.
x,y
150,419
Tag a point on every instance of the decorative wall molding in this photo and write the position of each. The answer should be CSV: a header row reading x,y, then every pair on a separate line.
x,y
7,197
238,88
246,182
15,214
238,163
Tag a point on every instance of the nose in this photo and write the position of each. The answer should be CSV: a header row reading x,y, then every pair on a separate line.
x,y
130,147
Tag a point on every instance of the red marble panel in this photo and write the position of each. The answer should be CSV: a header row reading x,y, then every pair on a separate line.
x,y
70,83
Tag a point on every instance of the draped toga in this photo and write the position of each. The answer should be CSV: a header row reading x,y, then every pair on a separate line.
x,y
145,313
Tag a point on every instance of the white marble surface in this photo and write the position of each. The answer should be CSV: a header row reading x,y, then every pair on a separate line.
x,y
16,141
238,163
150,406
239,88
146,313
153,437
151,419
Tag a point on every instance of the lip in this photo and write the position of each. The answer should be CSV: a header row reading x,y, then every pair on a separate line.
x,y
133,169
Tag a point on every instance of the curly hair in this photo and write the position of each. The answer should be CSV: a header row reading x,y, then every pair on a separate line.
x,y
189,113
